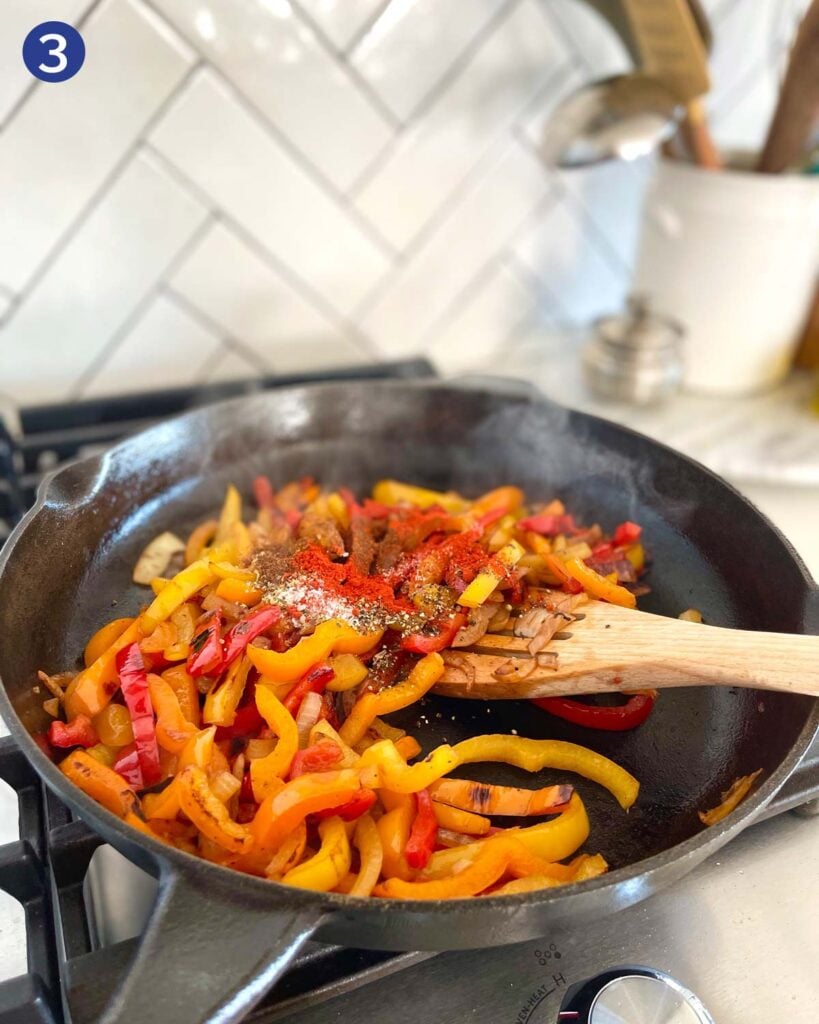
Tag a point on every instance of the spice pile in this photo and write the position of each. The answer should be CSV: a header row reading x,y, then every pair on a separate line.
x,y
241,716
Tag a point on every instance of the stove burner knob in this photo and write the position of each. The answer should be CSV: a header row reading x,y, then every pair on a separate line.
x,y
632,995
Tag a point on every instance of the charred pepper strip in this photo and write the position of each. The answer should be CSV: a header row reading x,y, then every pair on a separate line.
x,y
246,630
101,783
208,813
208,651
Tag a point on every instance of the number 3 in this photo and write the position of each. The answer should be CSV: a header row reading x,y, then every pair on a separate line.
x,y
57,51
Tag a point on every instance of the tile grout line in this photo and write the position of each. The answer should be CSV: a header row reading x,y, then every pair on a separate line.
x,y
99,194
436,92
462,297
284,141
568,41
313,298
365,29
139,309
339,56
528,278
24,97
228,338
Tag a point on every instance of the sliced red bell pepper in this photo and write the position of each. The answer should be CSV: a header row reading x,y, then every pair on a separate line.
x,y
247,722
314,681
549,525
263,492
320,757
488,518
626,533
246,630
127,764
209,652
133,681
613,719
293,518
420,643
354,808
375,509
246,795
79,732
603,552
423,833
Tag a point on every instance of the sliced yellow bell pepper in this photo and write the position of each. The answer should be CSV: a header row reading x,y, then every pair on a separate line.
x,y
90,691
208,813
184,686
396,775
184,585
104,753
424,675
229,571
325,870
551,841
393,492
507,498
488,866
491,575
457,820
231,513
368,843
636,555
199,749
265,772
337,507
535,755
598,586
222,701
200,537
113,726
333,635
349,672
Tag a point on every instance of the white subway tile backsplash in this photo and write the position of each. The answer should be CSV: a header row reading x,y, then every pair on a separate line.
x,y
272,55
165,335
68,137
255,181
293,184
484,216
341,20
581,282
18,18
413,44
236,288
440,150
478,333
91,288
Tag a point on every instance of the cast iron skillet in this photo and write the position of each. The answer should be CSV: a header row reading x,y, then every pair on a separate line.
x,y
217,939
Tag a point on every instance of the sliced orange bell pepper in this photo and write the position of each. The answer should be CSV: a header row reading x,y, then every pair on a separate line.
x,y
535,755
348,671
164,805
184,686
483,798
173,730
408,747
333,635
113,726
422,678
200,537
457,820
103,638
208,813
280,812
393,492
325,869
101,783
265,772
199,749
90,691
239,591
731,799
489,865
598,586
393,832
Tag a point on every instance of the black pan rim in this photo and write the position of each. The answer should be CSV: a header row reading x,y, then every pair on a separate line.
x,y
699,845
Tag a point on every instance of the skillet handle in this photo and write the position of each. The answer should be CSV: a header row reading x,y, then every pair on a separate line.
x,y
208,955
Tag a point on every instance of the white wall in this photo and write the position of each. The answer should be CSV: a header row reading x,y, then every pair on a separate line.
x,y
235,185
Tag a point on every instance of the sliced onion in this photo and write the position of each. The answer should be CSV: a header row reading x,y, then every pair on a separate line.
x,y
513,667
224,786
500,620
308,716
212,602
476,626
446,837
156,557
546,659
259,748
461,666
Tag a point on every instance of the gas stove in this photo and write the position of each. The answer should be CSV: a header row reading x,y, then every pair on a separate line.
x,y
734,943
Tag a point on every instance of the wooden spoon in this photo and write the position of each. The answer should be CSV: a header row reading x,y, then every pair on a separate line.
x,y
798,103
608,649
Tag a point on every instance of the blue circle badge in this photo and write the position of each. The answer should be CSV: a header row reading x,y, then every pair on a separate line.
x,y
53,51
